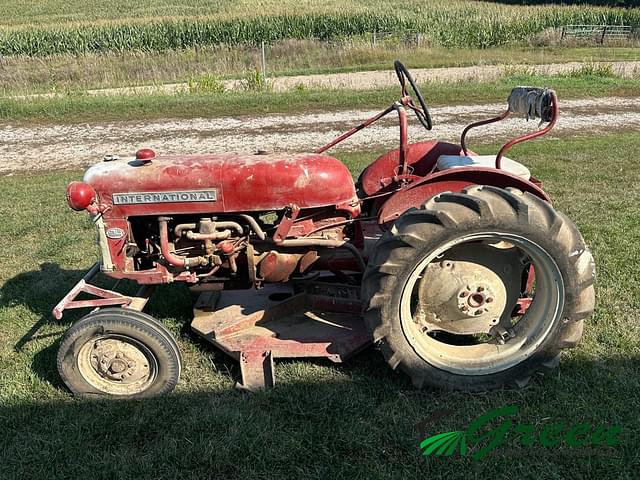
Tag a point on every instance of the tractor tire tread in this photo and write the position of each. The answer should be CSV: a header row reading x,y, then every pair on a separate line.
x,y
475,206
135,322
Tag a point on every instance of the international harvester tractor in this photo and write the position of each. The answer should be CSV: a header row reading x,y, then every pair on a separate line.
x,y
456,266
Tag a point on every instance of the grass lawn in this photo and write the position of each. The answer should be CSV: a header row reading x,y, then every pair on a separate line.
x,y
356,420
79,107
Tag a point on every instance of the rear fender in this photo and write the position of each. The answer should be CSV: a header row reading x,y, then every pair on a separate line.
x,y
451,180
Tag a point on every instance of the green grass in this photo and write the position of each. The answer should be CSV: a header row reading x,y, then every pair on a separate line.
x,y
327,421
59,73
55,26
78,107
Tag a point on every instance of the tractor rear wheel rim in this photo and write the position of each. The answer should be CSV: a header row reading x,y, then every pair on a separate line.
x,y
491,356
117,364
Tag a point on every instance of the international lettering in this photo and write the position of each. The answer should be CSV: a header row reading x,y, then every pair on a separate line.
x,y
133,198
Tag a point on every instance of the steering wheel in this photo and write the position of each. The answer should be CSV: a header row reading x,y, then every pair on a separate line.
x,y
421,112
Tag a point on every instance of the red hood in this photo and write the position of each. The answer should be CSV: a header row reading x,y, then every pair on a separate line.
x,y
222,183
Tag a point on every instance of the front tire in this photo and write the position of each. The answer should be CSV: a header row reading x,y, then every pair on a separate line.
x,y
117,353
444,286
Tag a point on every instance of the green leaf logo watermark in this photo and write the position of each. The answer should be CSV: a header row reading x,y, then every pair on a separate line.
x,y
482,437
445,444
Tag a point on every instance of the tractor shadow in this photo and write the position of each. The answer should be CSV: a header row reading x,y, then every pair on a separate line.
x,y
37,292
366,425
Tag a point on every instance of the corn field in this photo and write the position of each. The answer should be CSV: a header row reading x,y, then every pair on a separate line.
x,y
466,24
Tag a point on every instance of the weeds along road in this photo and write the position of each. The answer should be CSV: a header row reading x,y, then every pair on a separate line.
x,y
52,147
374,79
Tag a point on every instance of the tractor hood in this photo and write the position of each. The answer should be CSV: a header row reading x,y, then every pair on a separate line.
x,y
220,183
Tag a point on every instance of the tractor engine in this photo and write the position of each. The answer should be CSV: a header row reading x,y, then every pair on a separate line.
x,y
237,219
203,246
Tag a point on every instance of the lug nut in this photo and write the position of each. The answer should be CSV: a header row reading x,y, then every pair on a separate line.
x,y
489,299
464,294
480,289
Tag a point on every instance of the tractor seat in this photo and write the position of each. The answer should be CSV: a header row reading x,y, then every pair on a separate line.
x,y
487,161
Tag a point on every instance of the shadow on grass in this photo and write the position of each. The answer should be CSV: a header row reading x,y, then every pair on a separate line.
x,y
35,290
366,426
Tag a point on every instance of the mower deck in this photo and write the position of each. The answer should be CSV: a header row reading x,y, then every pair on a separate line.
x,y
314,319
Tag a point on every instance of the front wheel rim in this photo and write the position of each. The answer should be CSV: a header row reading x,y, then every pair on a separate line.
x,y
117,365
533,328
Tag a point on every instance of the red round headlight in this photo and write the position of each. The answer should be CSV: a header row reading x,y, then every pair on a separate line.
x,y
80,195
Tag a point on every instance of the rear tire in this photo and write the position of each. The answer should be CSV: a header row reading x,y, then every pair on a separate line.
x,y
115,353
479,212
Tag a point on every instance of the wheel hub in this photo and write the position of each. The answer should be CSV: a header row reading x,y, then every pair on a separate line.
x,y
114,364
468,292
474,300
111,361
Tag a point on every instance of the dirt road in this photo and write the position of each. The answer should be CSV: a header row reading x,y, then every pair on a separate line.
x,y
76,146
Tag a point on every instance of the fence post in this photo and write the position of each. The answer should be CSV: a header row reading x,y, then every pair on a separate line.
x,y
373,38
264,66
604,32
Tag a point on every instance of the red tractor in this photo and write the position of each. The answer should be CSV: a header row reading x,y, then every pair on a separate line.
x,y
455,265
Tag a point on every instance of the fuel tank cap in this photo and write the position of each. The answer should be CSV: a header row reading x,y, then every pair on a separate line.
x,y
145,155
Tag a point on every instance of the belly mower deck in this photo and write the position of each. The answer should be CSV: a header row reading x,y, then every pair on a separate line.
x,y
316,319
